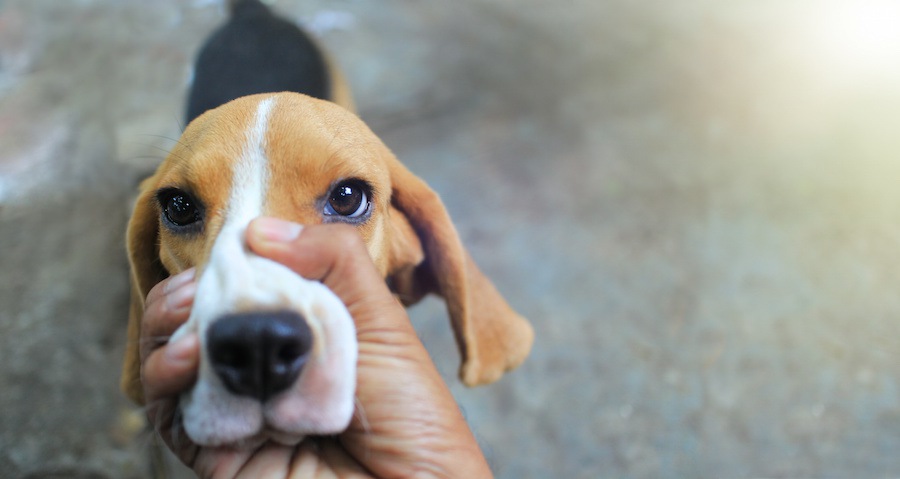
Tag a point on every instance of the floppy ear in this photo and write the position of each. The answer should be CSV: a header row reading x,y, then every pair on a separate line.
x,y
146,270
491,337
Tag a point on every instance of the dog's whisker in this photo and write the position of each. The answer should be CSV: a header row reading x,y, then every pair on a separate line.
x,y
145,157
181,124
151,145
162,137
177,141
360,412
179,438
165,150
158,420
162,338
168,420
170,153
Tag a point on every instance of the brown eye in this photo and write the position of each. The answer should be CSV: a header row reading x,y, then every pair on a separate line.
x,y
179,208
349,199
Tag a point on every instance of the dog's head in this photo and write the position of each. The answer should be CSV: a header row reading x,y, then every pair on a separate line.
x,y
308,161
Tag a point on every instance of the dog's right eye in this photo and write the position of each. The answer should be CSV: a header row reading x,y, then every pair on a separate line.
x,y
179,208
348,200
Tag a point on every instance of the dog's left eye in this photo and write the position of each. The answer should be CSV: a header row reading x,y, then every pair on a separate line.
x,y
349,199
179,208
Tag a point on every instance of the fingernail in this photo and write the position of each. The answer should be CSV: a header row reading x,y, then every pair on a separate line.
x,y
182,348
274,230
179,280
181,297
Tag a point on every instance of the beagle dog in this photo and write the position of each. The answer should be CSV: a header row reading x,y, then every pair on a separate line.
x,y
278,352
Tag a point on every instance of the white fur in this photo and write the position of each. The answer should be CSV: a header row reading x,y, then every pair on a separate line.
x,y
321,400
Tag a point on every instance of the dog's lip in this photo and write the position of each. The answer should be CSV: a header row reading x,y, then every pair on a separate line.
x,y
266,434
281,437
252,442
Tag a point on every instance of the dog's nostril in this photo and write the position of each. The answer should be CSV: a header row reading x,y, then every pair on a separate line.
x,y
259,354
233,355
290,352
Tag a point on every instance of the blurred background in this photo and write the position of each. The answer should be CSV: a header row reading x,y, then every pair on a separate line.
x,y
697,204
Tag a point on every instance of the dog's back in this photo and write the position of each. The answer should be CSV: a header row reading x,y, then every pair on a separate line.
x,y
256,52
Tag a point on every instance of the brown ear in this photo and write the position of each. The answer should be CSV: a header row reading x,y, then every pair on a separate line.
x,y
146,270
491,337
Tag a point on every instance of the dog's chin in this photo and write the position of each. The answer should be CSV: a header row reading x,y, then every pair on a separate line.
x,y
248,444
252,430
257,439
244,423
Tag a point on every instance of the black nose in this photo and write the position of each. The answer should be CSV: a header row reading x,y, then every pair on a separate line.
x,y
259,354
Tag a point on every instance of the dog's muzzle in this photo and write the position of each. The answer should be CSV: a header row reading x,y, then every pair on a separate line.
x,y
278,352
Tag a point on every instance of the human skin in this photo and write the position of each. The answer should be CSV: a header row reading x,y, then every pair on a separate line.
x,y
407,423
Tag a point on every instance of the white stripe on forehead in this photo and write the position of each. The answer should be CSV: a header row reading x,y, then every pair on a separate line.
x,y
227,270
250,177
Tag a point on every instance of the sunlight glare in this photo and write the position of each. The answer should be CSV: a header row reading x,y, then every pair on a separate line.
x,y
859,39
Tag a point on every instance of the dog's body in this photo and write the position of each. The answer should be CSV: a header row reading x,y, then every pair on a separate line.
x,y
259,52
278,351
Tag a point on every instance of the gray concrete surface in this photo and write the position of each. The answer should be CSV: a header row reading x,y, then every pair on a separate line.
x,y
695,202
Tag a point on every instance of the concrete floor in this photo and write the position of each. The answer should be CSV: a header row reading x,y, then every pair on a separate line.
x,y
695,202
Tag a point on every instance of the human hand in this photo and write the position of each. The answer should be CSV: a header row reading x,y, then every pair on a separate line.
x,y
407,423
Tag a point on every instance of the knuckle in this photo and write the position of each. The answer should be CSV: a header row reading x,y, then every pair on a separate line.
x,y
156,292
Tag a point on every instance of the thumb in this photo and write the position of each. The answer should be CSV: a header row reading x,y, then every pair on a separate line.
x,y
335,255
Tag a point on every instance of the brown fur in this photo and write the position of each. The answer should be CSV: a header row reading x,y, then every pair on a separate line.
x,y
311,144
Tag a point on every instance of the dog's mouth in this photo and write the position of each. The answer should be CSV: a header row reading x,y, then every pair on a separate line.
x,y
267,434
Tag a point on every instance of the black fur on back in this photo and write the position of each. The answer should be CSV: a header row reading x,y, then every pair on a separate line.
x,y
255,52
